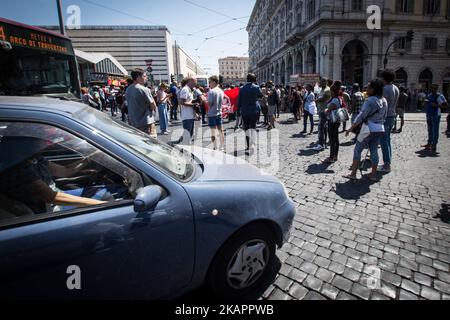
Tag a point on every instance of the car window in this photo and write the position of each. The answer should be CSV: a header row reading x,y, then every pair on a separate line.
x,y
164,156
44,169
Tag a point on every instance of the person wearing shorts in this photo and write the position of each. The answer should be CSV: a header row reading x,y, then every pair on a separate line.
x,y
215,101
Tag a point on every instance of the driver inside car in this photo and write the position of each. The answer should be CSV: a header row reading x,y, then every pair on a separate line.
x,y
26,176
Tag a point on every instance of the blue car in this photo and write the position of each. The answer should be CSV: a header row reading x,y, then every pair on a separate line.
x,y
91,208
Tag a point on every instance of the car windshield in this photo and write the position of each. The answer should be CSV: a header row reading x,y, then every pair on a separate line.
x,y
166,157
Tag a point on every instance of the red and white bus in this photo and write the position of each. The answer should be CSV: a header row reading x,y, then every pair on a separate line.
x,y
36,62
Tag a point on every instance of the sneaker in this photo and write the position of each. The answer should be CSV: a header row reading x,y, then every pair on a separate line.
x,y
319,147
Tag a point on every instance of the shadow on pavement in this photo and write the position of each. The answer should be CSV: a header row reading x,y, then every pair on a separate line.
x,y
298,135
204,294
307,153
427,154
319,169
444,213
347,144
354,190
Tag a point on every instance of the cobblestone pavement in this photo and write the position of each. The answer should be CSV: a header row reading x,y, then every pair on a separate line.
x,y
349,236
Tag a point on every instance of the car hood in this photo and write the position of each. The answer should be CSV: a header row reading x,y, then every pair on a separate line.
x,y
218,166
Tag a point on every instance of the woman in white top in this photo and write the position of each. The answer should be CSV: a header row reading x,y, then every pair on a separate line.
x,y
310,108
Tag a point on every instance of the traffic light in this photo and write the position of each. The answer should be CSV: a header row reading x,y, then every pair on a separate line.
x,y
172,78
410,36
220,79
149,64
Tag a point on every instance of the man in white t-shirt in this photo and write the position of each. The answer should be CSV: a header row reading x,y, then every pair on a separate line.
x,y
187,110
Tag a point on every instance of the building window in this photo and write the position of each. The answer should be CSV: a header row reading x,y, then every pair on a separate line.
x,y
448,9
357,5
405,6
430,44
403,45
432,7
311,10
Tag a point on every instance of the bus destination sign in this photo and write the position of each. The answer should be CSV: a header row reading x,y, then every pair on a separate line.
x,y
31,39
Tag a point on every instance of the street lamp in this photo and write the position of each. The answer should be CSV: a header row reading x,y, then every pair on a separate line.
x,y
409,38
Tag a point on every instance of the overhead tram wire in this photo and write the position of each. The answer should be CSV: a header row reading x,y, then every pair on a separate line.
x,y
149,21
216,25
215,11
180,31
130,15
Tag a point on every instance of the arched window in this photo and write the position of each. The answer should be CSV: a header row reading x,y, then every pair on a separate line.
x,y
426,79
401,78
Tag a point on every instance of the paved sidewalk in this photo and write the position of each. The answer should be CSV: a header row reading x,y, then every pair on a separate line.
x,y
349,237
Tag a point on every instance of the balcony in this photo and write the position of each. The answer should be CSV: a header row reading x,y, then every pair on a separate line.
x,y
295,35
265,58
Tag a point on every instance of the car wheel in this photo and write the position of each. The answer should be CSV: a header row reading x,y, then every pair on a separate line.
x,y
243,262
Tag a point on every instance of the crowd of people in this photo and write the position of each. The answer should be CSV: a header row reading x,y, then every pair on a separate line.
x,y
372,110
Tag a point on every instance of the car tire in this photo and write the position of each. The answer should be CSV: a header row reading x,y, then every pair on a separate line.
x,y
256,242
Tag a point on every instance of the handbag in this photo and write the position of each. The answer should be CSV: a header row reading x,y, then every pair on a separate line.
x,y
343,115
364,133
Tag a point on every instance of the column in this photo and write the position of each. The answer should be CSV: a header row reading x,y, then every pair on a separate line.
x,y
318,55
375,58
337,60
325,59
305,59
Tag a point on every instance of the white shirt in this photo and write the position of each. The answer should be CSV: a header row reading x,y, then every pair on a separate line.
x,y
187,113
310,103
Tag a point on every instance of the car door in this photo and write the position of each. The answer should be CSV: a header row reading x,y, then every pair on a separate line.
x,y
103,251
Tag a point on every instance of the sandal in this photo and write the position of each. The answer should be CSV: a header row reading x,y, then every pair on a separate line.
x,y
350,177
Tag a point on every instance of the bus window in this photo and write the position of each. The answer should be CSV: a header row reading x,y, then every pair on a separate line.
x,y
35,61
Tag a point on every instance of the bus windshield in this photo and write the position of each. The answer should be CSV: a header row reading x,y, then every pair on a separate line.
x,y
33,62
202,81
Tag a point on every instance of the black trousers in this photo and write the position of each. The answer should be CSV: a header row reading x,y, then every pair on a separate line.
x,y
250,122
333,133
296,111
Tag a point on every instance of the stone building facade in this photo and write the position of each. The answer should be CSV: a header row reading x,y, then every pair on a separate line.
x,y
234,69
331,38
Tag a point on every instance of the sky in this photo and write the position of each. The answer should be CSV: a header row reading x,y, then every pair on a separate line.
x,y
207,30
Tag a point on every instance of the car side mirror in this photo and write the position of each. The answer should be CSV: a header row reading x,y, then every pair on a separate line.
x,y
147,199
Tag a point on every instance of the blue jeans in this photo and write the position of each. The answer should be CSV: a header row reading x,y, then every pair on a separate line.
x,y
305,121
162,109
372,142
188,126
433,123
385,141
